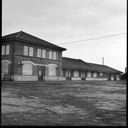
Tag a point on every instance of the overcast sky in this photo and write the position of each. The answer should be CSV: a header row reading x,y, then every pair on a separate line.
x,y
63,21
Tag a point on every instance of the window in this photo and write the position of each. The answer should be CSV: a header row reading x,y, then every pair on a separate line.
x,y
50,55
26,50
88,74
7,49
27,69
5,67
68,74
101,74
54,55
52,70
82,74
3,50
43,53
30,51
94,74
38,52
76,73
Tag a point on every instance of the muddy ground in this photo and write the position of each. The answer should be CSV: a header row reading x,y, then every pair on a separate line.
x,y
88,104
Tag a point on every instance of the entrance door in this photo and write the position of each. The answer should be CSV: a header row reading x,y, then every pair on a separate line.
x,y
68,75
40,75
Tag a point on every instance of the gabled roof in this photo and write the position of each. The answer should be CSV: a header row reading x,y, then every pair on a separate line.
x,y
25,37
70,63
78,64
104,68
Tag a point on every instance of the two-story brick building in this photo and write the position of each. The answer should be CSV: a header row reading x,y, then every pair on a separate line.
x,y
28,58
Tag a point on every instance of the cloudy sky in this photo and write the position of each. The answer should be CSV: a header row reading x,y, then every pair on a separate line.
x,y
88,29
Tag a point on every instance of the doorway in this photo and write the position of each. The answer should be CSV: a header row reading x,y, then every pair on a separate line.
x,y
40,74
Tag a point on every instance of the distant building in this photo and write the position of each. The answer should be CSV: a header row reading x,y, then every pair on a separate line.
x,y
77,69
28,58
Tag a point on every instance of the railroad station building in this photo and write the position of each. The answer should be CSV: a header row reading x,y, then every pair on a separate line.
x,y
28,58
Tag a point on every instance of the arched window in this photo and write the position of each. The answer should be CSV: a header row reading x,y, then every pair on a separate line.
x,y
5,67
27,69
52,70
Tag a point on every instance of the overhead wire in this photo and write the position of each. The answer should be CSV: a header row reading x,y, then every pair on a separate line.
x,y
95,38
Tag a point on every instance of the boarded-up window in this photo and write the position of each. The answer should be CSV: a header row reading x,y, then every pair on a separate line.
x,y
27,69
52,70
50,55
43,53
26,50
76,73
5,68
38,52
94,74
3,50
7,49
88,74
54,55
101,74
30,51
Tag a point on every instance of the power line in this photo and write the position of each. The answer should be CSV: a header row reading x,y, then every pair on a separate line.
x,y
95,38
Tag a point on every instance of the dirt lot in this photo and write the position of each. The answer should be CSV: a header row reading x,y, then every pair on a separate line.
x,y
88,104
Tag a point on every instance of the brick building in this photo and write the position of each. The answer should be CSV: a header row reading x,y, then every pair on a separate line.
x,y
28,58
77,69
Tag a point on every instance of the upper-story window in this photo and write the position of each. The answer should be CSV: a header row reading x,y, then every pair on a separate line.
x,y
28,51
50,55
39,52
43,53
5,50
54,56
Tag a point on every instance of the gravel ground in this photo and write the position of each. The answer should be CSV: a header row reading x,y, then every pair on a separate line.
x,y
88,104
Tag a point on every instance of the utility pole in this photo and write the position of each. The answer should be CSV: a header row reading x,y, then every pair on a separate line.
x,y
102,60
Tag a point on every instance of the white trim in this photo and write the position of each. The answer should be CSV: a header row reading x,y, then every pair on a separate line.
x,y
39,64
33,63
52,65
6,61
